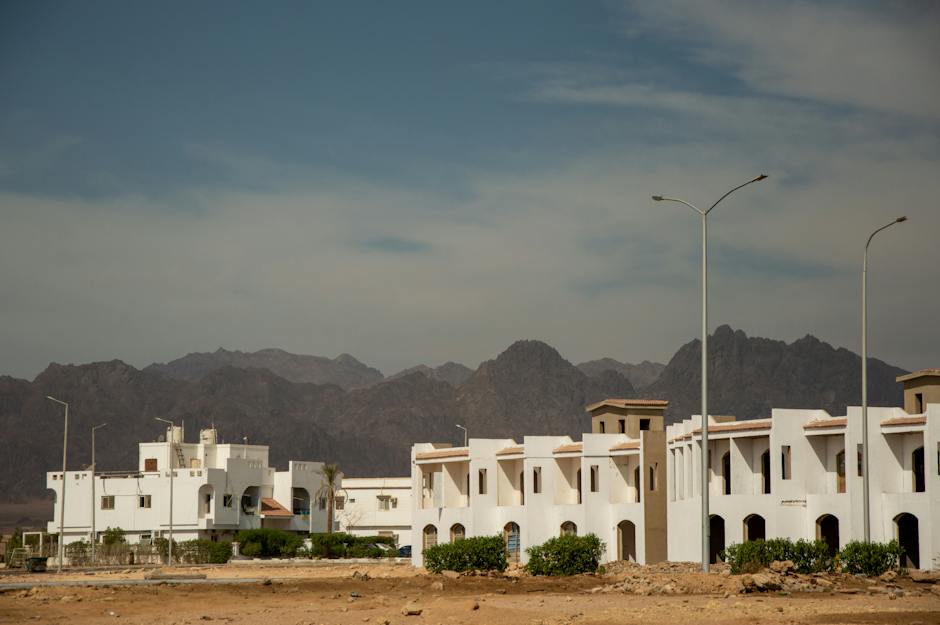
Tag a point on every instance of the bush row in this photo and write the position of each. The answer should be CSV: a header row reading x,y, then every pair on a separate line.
x,y
341,545
808,556
566,555
481,553
268,543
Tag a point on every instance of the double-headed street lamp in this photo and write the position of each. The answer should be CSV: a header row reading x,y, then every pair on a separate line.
x,y
866,516
65,447
94,533
171,462
704,214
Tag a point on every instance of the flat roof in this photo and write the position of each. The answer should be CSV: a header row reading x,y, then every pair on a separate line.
x,y
923,373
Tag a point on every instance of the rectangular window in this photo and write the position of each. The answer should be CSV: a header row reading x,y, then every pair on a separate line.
x,y
384,502
107,502
226,501
143,501
340,503
394,502
536,479
150,464
602,426
321,504
644,424
481,481
595,478
622,423
785,468
918,403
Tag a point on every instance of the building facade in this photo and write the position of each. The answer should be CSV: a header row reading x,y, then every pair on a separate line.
x,y
612,484
375,506
798,475
218,490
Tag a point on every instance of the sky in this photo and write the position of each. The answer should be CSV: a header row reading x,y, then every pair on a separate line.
x,y
424,181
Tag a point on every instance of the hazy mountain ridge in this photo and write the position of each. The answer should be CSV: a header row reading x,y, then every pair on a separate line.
x,y
527,389
639,375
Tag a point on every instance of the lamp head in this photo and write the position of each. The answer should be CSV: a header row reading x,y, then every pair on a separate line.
x,y
658,198
900,219
761,177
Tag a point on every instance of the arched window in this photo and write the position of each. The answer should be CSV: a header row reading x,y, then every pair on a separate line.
x,y
765,472
569,529
755,528
580,488
637,484
429,538
457,532
654,469
512,537
726,472
827,529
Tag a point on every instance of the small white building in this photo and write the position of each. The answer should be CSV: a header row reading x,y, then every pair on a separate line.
x,y
218,490
612,484
375,506
798,475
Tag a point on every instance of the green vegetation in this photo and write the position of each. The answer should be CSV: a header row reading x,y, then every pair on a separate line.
x,y
341,545
859,557
202,552
268,543
566,555
112,536
808,556
482,553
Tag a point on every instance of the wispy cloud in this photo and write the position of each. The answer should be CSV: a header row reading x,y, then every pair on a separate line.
x,y
395,245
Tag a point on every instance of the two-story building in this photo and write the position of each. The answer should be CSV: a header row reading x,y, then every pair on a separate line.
x,y
799,473
375,506
612,483
218,489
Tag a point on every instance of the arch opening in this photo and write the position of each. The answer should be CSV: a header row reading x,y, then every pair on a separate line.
x,y
908,532
512,537
827,529
626,541
569,529
716,538
755,527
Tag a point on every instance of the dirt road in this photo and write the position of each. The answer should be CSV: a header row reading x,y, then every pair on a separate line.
x,y
340,595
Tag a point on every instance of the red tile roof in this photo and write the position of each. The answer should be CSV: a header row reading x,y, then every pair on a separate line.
x,y
629,403
270,507
818,424
510,451
450,452
626,445
737,426
912,420
569,448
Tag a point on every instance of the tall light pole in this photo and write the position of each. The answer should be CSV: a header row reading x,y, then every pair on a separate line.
x,y
171,462
464,433
65,448
704,214
94,533
866,515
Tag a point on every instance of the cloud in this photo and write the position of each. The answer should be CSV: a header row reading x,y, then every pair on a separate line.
x,y
851,54
395,245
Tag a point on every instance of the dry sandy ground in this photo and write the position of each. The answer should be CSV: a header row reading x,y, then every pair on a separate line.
x,y
331,596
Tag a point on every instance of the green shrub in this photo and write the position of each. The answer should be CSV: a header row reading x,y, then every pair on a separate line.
x,y
78,552
808,556
203,552
481,553
112,536
269,543
873,559
341,545
566,555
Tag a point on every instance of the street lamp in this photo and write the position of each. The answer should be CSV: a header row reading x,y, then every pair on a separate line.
x,y
94,533
172,434
65,441
866,516
464,433
704,214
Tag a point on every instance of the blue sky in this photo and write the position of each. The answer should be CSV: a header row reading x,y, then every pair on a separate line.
x,y
423,182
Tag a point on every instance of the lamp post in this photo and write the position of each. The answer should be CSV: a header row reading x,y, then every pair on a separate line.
x,y
171,462
94,533
464,433
704,214
65,441
866,515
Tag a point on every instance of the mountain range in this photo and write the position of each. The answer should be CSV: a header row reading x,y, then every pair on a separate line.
x,y
340,410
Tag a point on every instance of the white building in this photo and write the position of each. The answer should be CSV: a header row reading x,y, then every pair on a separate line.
x,y
612,484
218,489
798,475
375,506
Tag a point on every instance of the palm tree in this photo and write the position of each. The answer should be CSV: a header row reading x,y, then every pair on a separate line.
x,y
330,486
